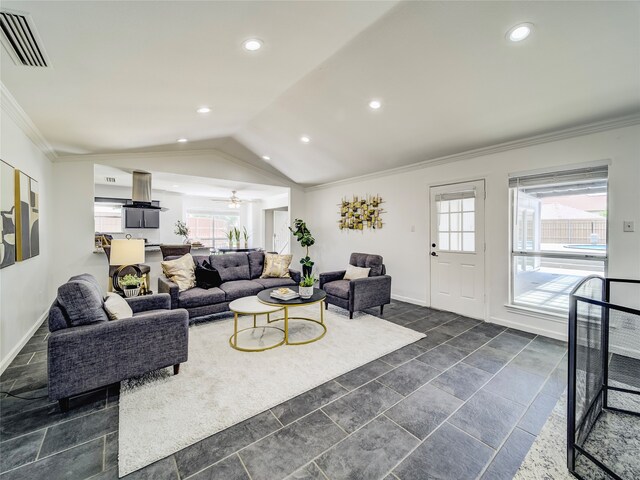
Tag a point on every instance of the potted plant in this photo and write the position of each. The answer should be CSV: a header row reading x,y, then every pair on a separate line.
x,y
306,286
236,234
130,285
229,236
182,230
245,236
303,235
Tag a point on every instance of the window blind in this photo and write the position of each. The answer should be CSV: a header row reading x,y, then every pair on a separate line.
x,y
565,177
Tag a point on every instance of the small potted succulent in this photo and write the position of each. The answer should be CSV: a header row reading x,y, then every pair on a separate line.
x,y
130,285
236,235
245,237
306,286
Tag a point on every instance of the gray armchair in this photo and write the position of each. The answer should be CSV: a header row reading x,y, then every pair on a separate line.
x,y
86,350
360,294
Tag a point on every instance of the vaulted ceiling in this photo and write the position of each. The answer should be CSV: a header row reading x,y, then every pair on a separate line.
x,y
129,76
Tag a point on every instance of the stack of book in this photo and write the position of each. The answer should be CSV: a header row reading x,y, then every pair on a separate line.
x,y
284,294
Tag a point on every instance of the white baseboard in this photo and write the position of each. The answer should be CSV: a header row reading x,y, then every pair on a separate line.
x,y
529,328
23,341
422,303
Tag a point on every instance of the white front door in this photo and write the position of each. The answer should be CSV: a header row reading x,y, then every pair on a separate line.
x,y
457,248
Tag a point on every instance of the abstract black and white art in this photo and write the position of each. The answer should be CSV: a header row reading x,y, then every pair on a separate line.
x,y
7,215
28,217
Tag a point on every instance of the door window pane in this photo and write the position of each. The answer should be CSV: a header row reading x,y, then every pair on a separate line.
x,y
443,238
468,204
469,221
468,242
455,241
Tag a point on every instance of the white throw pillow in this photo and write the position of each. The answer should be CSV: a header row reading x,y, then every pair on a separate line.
x,y
117,307
353,273
181,271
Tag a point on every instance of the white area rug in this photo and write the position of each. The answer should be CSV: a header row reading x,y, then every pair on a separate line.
x,y
218,387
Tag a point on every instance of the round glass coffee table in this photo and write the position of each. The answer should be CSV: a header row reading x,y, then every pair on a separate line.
x,y
263,337
317,297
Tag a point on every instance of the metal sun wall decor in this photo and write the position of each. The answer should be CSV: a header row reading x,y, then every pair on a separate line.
x,y
358,213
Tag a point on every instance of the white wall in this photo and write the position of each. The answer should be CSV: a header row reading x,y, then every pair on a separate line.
x,y
26,288
406,194
74,193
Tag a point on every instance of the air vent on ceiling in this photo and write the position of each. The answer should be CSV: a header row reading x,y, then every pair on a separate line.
x,y
21,40
110,179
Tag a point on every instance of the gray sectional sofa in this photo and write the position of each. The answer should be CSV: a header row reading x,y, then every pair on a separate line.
x,y
86,350
240,274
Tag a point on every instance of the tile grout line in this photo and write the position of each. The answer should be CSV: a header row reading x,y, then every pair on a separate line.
x,y
318,467
335,423
383,414
277,419
237,454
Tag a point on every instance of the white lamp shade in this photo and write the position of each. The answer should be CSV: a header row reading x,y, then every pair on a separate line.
x,y
126,252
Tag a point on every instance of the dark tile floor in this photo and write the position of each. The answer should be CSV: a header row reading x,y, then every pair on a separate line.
x,y
465,402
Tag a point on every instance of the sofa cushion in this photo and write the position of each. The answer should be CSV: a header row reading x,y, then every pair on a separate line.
x,y
364,260
276,266
82,302
256,264
117,307
338,288
231,266
180,271
275,282
57,318
240,288
199,297
207,276
354,273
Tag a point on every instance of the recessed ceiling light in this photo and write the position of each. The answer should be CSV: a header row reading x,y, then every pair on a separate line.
x,y
182,140
519,32
175,186
375,104
203,110
252,44
305,139
266,157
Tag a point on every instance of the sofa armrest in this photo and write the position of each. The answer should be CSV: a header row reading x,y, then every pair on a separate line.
x,y
161,301
167,286
91,356
295,275
331,277
370,292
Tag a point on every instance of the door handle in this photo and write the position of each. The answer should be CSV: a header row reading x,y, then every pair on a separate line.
x,y
434,254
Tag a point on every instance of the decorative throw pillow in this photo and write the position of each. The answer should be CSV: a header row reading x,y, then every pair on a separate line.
x,y
353,273
117,307
207,276
181,271
276,266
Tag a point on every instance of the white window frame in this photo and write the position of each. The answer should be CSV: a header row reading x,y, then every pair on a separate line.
x,y
597,171
109,201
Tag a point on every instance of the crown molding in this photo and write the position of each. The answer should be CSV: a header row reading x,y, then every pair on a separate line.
x,y
586,129
11,106
98,157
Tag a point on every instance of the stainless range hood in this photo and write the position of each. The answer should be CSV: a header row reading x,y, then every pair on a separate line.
x,y
141,192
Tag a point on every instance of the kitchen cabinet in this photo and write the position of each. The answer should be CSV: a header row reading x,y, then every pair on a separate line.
x,y
141,218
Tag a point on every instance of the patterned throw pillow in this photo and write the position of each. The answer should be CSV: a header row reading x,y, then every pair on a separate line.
x,y
276,266
181,271
353,273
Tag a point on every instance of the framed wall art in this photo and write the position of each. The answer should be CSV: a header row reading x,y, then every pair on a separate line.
x,y
27,217
7,215
361,213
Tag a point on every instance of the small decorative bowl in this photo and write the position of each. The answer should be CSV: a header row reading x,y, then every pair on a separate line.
x,y
131,292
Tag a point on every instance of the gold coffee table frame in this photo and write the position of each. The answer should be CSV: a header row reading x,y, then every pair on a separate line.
x,y
286,318
233,340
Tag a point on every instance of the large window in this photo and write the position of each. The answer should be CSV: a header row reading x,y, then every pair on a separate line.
x,y
107,215
559,235
211,228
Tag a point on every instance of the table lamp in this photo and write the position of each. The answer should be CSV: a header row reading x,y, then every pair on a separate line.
x,y
128,254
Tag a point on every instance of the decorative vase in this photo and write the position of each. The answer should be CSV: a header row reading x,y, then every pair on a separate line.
x,y
131,292
305,292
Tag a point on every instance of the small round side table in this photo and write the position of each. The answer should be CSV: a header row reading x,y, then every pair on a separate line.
x,y
252,306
